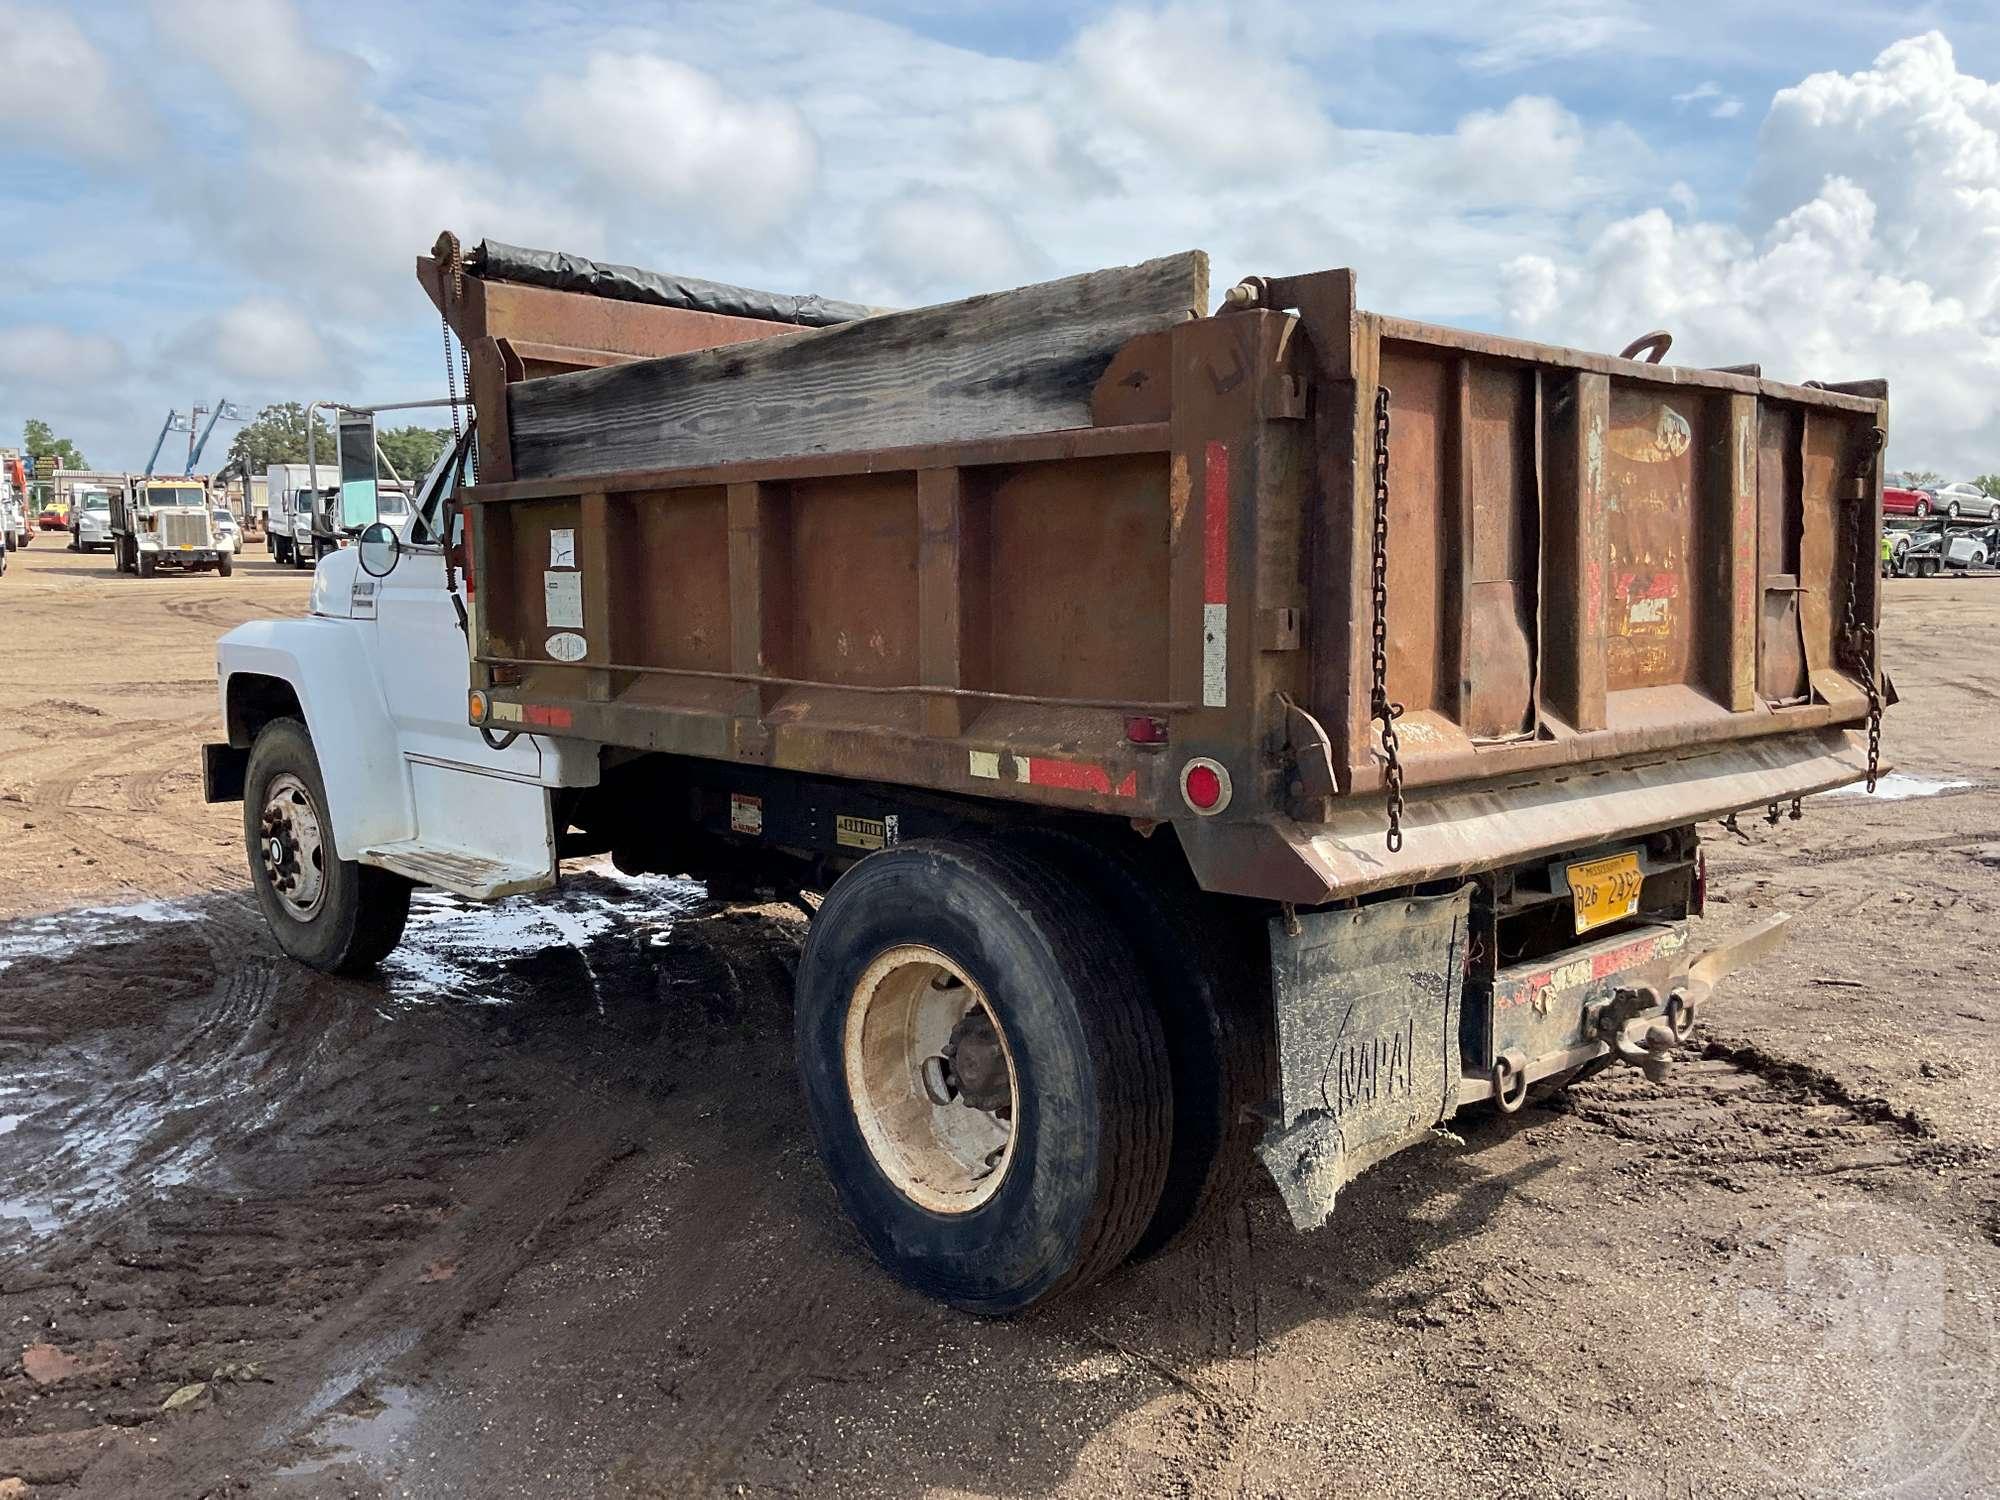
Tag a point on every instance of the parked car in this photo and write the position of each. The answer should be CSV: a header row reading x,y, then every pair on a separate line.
x,y
1964,499
52,519
1901,500
227,533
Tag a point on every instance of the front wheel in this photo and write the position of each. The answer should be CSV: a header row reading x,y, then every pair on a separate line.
x,y
225,565
988,1085
325,911
148,564
1923,509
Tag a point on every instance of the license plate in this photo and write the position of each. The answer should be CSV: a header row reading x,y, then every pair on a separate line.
x,y
1605,890
187,546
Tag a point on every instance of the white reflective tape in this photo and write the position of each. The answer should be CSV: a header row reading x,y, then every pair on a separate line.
x,y
1215,656
985,763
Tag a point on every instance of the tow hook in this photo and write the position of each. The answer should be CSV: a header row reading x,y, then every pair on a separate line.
x,y
1612,1022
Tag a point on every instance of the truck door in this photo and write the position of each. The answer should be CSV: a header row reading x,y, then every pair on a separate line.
x,y
426,669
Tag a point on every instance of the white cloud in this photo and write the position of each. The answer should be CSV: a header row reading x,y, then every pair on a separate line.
x,y
1878,197
939,243
1526,151
1185,82
262,340
647,125
59,90
1716,104
42,355
262,54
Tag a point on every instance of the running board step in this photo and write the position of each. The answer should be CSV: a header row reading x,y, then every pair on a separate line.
x,y
472,876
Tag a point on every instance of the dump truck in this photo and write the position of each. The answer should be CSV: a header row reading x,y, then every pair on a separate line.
x,y
157,522
1202,735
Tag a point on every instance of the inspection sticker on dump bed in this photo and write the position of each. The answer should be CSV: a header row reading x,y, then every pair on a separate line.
x,y
1605,890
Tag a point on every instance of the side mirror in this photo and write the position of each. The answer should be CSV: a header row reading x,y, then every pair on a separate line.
x,y
359,506
379,549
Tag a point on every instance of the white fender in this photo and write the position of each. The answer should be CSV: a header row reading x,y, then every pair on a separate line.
x,y
330,666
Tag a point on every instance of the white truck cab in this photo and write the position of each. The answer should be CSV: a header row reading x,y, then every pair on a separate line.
x,y
348,743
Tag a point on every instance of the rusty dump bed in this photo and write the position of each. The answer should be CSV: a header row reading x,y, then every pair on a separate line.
x,y
1613,592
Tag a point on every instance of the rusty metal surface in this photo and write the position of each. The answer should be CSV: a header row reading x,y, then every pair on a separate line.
x,y
1456,831
1589,560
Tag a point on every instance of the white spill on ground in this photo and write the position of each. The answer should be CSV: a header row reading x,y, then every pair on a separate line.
x,y
451,946
1896,786
62,933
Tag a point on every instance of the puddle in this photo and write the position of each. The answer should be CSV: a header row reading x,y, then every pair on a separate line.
x,y
1896,786
40,1218
451,947
61,933
367,1439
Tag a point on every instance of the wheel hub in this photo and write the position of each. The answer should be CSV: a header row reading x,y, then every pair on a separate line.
x,y
931,1080
292,849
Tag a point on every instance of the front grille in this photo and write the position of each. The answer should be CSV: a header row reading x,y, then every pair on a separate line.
x,y
183,528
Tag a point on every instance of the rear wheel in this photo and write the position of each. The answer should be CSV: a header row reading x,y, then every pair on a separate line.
x,y
988,1086
329,912
1204,978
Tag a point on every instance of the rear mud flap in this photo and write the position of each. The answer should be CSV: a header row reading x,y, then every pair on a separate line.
x,y
1368,1049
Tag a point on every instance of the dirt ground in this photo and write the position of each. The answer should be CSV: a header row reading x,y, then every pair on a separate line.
x,y
535,1213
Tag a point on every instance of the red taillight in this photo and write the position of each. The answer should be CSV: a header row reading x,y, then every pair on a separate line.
x,y
1205,785
1144,729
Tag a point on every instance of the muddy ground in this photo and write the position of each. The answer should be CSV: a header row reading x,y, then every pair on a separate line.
x,y
535,1213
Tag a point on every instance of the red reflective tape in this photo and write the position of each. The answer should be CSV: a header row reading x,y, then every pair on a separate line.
x,y
545,717
1215,525
1079,776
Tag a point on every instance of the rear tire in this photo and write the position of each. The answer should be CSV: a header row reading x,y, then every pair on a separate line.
x,y
1951,510
357,912
1090,1123
1206,980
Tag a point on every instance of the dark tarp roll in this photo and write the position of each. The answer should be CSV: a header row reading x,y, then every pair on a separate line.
x,y
574,273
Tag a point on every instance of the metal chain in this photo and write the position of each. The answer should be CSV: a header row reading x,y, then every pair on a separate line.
x,y
1861,638
1379,705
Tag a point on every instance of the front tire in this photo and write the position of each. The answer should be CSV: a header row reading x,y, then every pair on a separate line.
x,y
148,564
1923,509
976,973
225,565
327,912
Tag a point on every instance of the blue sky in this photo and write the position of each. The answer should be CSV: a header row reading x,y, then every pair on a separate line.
x,y
224,197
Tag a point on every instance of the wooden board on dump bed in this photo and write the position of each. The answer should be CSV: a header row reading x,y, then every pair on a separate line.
x,y
996,365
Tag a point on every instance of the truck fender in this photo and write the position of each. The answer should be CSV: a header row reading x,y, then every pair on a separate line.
x,y
331,673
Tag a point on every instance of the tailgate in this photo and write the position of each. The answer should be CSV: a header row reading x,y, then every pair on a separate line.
x,y
1591,557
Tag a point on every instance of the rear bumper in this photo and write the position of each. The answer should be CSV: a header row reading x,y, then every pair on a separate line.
x,y
1455,831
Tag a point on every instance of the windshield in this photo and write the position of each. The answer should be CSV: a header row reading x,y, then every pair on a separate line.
x,y
389,503
95,500
224,516
439,486
163,494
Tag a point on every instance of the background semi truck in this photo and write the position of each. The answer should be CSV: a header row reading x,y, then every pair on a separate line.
x,y
1205,736
156,522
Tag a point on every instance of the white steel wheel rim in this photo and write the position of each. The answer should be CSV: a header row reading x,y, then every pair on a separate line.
x,y
948,1158
292,847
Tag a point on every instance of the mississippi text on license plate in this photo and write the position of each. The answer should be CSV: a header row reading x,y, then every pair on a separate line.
x,y
1605,890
